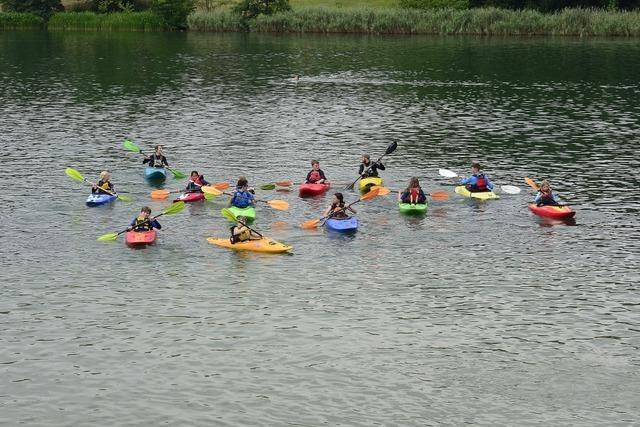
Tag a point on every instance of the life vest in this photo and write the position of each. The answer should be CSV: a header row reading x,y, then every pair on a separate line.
x,y
241,199
156,161
142,224
547,199
414,194
338,214
314,176
104,187
244,235
194,185
480,185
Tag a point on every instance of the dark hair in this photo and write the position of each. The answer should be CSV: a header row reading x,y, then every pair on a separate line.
x,y
314,162
413,182
146,209
340,197
242,181
366,156
475,165
196,172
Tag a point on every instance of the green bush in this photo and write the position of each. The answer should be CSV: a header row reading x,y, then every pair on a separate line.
x,y
42,8
249,9
20,21
435,4
216,20
174,12
108,6
91,21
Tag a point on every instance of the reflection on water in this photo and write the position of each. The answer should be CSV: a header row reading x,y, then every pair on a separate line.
x,y
478,312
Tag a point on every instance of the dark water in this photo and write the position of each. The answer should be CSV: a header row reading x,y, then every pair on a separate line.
x,y
478,313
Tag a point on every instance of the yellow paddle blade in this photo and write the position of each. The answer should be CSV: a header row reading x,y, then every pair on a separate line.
x,y
124,198
312,223
221,186
209,189
159,194
372,194
439,195
208,196
74,174
280,205
285,183
108,237
228,214
531,183
383,190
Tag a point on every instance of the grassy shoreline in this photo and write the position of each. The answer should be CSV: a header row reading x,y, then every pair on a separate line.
x,y
361,20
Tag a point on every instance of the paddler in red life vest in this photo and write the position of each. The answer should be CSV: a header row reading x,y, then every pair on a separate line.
x,y
478,182
195,182
143,223
103,184
316,175
545,196
413,193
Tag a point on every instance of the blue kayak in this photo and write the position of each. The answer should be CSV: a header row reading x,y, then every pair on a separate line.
x,y
156,174
100,199
342,225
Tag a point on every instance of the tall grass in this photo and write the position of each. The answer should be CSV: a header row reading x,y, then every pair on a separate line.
x,y
481,21
89,21
20,21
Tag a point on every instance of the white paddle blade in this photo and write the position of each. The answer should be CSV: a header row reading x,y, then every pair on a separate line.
x,y
447,173
510,189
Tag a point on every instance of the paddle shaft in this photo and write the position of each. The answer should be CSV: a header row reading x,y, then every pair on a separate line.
x,y
250,229
143,222
342,209
366,171
96,185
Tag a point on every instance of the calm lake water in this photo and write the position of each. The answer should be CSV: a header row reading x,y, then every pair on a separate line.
x,y
477,313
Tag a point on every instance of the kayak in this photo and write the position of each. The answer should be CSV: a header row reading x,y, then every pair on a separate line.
x,y
417,209
555,212
265,245
140,238
190,197
342,225
310,190
367,183
484,195
100,199
248,212
155,174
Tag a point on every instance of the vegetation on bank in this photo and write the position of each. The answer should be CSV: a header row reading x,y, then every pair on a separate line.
x,y
483,21
407,17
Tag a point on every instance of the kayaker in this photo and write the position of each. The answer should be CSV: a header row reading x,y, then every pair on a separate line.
x,y
337,208
368,169
478,182
196,181
143,223
243,196
316,175
157,159
413,193
241,233
103,184
545,196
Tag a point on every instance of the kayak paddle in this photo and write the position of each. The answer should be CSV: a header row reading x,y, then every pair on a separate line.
x,y
77,176
509,189
163,194
390,149
313,223
447,173
133,147
281,205
174,208
436,195
272,186
226,212
531,183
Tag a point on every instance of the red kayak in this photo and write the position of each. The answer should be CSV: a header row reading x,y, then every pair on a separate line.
x,y
554,212
190,197
140,238
310,190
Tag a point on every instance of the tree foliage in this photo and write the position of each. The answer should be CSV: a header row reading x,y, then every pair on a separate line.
x,y
249,9
43,8
174,12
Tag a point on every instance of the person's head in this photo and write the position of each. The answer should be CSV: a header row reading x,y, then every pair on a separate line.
x,y
158,149
366,158
242,182
475,167
545,187
338,198
105,176
414,183
194,174
241,220
145,211
315,164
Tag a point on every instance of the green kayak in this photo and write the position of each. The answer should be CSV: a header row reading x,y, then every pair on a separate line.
x,y
417,209
249,213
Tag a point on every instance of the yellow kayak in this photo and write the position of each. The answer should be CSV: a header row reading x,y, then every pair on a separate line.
x,y
367,183
485,195
263,245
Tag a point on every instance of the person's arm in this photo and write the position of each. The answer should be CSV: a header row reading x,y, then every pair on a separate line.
x,y
164,161
380,166
538,198
327,211
400,196
361,169
466,181
155,224
204,181
306,181
146,160
422,197
253,199
489,183
351,209
324,178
